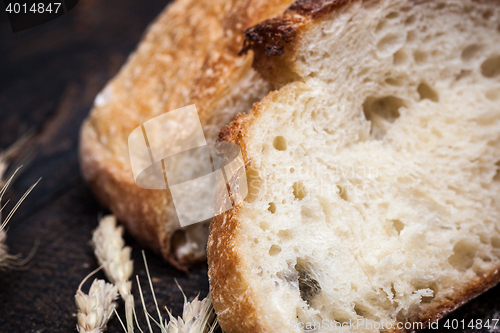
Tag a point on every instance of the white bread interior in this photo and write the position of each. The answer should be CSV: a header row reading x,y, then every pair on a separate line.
x,y
374,184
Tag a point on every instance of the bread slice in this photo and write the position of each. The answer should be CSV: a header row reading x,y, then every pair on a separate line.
x,y
373,174
189,55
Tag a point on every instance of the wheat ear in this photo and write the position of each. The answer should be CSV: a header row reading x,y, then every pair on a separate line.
x,y
114,256
96,308
197,317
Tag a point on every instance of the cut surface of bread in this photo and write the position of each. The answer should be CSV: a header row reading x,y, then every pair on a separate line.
x,y
373,175
189,55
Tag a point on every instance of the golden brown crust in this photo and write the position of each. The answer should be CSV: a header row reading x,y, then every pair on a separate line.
x,y
271,36
232,298
188,56
468,292
274,41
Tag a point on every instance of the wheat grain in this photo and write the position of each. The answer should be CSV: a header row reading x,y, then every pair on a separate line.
x,y
114,256
96,308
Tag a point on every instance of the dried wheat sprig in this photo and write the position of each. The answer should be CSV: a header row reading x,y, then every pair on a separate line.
x,y
95,308
197,317
10,152
3,167
7,260
114,256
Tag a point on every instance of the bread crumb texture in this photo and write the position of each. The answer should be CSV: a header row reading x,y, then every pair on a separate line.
x,y
374,181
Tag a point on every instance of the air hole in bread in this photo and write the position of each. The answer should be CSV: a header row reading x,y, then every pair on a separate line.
x,y
485,258
274,250
342,193
490,68
426,92
497,174
420,57
381,112
470,52
272,207
400,316
364,311
390,44
299,190
393,290
495,242
399,57
254,184
440,6
487,14
359,310
292,170
178,239
398,225
256,240
279,143
380,26
463,255
393,82
309,286
463,73
493,94
427,292
392,15
410,20
427,299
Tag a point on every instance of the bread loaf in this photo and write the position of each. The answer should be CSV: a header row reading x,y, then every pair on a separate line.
x,y
189,55
373,171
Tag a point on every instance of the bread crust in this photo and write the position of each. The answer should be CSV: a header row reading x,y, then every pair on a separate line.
x,y
274,42
231,295
189,55
272,36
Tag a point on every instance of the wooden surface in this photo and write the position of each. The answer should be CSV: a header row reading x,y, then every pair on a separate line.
x,y
49,76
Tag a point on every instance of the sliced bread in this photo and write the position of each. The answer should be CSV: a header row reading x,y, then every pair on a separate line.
x,y
373,171
189,55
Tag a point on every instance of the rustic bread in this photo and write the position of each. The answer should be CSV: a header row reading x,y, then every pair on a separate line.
x,y
189,55
373,175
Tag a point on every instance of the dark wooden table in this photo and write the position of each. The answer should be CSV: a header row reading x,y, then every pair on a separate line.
x,y
49,76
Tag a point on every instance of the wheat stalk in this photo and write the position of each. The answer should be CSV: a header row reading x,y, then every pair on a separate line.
x,y
114,256
95,308
197,316
7,260
9,154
